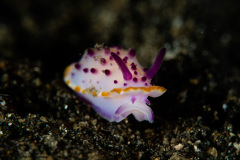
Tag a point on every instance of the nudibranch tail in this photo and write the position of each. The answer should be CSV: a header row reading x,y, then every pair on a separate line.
x,y
127,75
157,64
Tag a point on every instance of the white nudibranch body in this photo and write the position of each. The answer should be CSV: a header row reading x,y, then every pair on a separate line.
x,y
114,83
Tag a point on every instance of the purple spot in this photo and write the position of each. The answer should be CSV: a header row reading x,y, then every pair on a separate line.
x,y
125,59
144,79
133,67
93,70
135,72
125,84
77,66
132,52
146,84
118,53
83,81
115,81
151,83
111,58
133,99
73,74
107,50
110,64
97,82
103,61
85,70
107,72
90,52
135,80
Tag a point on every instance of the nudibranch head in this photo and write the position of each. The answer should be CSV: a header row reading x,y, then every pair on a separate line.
x,y
114,83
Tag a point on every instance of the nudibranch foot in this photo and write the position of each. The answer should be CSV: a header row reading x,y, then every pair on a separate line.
x,y
140,112
112,81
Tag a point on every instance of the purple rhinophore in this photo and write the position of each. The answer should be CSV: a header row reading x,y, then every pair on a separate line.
x,y
107,50
90,52
93,70
133,99
107,72
132,52
85,70
125,84
135,80
144,79
135,72
103,61
115,81
77,66
127,75
157,64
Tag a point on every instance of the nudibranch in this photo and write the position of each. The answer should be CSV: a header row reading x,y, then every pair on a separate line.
x,y
114,83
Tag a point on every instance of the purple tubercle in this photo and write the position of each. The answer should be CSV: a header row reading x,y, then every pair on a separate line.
x,y
127,75
77,66
157,64
107,72
107,50
146,84
144,79
93,70
90,52
135,80
133,67
118,53
115,81
119,47
132,52
133,99
103,61
111,58
125,84
135,72
85,70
